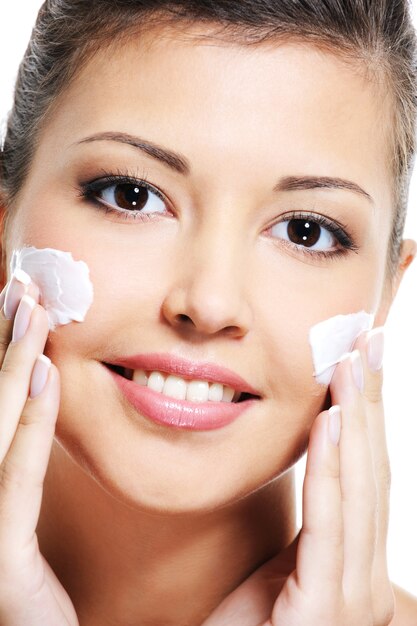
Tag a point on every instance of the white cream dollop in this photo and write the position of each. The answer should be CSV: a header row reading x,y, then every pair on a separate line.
x,y
331,339
66,291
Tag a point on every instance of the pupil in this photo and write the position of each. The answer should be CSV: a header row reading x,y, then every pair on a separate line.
x,y
303,232
130,196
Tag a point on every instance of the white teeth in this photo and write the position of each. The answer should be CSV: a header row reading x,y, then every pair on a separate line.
x,y
215,392
175,387
156,381
197,391
228,394
193,390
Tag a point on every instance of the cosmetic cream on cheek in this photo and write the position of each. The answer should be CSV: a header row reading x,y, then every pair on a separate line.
x,y
334,337
66,291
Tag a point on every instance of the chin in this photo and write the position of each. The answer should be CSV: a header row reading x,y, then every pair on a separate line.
x,y
167,499
155,488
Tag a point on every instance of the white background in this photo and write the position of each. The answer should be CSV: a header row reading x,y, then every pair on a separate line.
x,y
400,372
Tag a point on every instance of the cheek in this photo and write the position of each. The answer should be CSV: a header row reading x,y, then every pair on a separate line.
x,y
126,272
125,314
291,300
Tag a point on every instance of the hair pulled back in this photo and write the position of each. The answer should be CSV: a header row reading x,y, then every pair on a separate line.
x,y
377,34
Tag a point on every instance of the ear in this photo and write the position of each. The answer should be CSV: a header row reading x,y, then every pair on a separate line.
x,y
407,256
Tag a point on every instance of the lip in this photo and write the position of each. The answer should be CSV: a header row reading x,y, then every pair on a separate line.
x,y
172,364
178,413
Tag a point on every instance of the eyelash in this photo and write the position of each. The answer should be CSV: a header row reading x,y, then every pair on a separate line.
x,y
340,231
88,190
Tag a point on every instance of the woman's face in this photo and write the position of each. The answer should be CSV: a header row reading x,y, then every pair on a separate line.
x,y
213,274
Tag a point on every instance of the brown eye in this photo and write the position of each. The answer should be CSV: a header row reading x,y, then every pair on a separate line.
x,y
132,197
304,232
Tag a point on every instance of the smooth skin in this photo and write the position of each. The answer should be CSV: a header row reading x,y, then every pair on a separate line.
x,y
334,572
137,519
30,593
340,575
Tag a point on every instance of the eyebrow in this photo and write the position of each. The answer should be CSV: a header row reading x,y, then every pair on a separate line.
x,y
295,183
174,160
179,163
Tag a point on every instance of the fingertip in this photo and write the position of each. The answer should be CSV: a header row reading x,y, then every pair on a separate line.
x,y
375,348
42,318
339,372
40,376
334,424
45,389
33,291
54,385
319,421
3,295
318,442
360,341
54,373
22,276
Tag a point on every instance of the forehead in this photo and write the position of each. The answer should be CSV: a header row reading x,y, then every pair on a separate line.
x,y
290,106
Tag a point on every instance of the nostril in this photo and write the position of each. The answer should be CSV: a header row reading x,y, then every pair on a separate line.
x,y
181,317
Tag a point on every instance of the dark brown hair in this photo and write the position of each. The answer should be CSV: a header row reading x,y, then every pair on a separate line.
x,y
377,34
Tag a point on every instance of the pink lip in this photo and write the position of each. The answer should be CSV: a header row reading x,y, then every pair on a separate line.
x,y
179,413
172,364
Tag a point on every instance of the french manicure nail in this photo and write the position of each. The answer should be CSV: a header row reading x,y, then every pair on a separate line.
x,y
39,375
375,348
334,424
22,317
357,369
3,295
17,288
344,357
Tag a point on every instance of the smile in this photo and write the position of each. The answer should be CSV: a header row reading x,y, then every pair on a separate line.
x,y
181,388
205,406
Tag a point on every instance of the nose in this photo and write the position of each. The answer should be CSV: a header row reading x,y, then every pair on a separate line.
x,y
209,293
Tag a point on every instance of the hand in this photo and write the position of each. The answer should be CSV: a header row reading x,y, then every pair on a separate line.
x,y
30,593
335,571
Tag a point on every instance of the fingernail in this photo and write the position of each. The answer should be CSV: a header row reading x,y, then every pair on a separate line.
x,y
17,288
3,295
22,317
334,424
375,348
357,369
39,375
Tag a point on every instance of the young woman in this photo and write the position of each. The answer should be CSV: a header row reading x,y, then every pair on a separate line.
x,y
232,173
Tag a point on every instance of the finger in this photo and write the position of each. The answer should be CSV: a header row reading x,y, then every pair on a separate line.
x,y
320,547
371,346
33,291
19,285
357,481
16,372
23,471
17,288
3,295
11,295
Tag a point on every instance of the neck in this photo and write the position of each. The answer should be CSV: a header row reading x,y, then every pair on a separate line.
x,y
124,565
